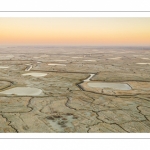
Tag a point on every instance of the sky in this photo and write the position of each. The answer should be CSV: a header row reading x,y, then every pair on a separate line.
x,y
75,31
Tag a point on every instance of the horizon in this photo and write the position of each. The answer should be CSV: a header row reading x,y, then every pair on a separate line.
x,y
73,45
75,31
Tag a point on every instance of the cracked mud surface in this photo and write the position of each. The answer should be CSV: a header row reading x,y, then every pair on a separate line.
x,y
68,103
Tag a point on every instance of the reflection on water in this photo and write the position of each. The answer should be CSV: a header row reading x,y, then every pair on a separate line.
x,y
115,86
3,67
59,60
57,64
89,78
115,58
89,60
23,91
35,74
143,63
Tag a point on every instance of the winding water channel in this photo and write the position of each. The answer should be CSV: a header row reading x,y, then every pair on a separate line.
x,y
29,67
89,78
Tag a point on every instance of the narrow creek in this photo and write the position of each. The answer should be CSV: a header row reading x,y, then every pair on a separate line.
x,y
29,67
89,78
86,80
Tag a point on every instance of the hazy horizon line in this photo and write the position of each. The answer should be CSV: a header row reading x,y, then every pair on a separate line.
x,y
79,45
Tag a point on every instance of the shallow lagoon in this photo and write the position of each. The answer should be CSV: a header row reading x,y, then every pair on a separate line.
x,y
143,63
77,57
115,58
59,60
3,67
35,74
115,86
23,91
89,60
144,58
57,64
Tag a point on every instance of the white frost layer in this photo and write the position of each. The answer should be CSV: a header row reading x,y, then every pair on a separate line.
x,y
35,74
23,91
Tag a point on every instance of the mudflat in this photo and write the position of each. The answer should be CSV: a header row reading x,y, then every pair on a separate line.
x,y
52,89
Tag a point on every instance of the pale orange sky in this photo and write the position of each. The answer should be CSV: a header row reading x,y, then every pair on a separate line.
x,y
86,31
